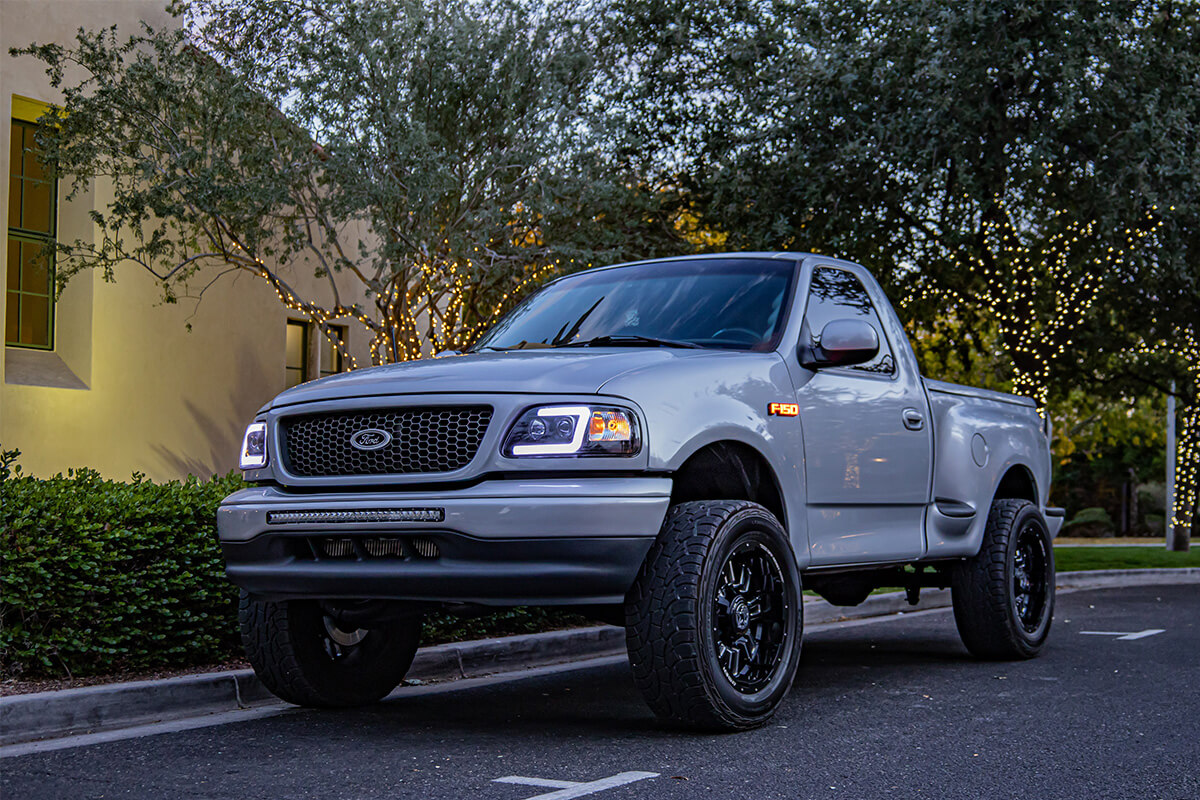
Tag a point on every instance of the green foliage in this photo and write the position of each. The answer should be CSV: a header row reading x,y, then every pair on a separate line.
x,y
1089,522
441,158
8,463
1131,432
978,156
961,347
101,575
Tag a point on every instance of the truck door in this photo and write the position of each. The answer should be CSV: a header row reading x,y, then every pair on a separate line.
x,y
867,434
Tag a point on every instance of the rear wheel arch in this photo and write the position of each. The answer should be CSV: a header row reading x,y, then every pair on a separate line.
x,y
1017,483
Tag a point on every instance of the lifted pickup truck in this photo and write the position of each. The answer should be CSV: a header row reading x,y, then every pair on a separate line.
x,y
677,446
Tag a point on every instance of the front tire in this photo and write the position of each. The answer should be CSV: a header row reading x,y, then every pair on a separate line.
x,y
1004,596
302,655
714,620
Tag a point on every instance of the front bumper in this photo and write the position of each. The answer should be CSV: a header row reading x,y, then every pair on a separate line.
x,y
507,542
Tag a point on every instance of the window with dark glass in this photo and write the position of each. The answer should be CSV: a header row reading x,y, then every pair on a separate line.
x,y
725,303
32,196
838,294
296,358
332,346
329,354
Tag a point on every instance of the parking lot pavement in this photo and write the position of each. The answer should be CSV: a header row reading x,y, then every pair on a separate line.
x,y
886,709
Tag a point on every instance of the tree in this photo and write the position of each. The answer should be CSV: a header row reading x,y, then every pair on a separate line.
x,y
431,161
1030,164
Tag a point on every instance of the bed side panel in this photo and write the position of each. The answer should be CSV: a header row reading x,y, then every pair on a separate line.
x,y
976,441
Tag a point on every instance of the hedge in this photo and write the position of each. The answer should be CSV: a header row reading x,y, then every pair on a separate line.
x,y
101,576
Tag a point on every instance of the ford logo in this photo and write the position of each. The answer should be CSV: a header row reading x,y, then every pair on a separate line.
x,y
370,439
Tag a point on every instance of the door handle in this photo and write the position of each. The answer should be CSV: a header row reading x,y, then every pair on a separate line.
x,y
912,419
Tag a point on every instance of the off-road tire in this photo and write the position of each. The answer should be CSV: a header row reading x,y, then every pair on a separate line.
x,y
986,589
671,615
289,647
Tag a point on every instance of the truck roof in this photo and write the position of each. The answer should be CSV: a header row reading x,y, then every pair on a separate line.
x,y
776,254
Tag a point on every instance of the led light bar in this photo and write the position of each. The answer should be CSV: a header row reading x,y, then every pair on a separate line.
x,y
580,413
350,517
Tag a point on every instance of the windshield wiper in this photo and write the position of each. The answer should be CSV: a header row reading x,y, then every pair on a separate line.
x,y
631,340
522,345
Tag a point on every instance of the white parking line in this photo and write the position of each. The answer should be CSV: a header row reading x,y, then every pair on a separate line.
x,y
549,784
572,789
1125,636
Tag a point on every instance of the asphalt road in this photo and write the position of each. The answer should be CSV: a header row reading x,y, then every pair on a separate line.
x,y
889,709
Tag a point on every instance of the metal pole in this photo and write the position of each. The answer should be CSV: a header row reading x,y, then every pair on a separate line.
x,y
1170,510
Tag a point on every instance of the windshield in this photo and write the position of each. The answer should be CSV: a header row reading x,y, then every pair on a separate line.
x,y
735,303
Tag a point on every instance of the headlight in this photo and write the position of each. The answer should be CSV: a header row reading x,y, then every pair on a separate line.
x,y
574,431
254,446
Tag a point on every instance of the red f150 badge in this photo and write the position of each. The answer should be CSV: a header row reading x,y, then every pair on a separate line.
x,y
783,410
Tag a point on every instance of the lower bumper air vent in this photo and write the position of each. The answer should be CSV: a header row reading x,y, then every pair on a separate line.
x,y
373,547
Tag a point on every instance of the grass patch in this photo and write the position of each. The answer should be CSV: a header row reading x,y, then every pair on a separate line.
x,y
1070,559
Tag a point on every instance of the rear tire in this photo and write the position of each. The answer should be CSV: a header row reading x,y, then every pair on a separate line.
x,y
714,620
1004,596
303,657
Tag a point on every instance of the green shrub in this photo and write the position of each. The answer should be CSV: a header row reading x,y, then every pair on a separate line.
x,y
1089,522
100,575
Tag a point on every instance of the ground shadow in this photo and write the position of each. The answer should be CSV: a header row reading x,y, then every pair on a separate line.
x,y
603,701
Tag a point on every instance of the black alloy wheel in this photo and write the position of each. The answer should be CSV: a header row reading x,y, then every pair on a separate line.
x,y
750,611
1029,577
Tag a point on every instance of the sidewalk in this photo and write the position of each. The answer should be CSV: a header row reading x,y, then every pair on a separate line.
x,y
44,715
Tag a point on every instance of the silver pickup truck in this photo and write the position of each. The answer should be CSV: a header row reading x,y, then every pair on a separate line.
x,y
677,446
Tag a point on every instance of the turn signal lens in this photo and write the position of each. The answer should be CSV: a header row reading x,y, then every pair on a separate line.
x,y
609,426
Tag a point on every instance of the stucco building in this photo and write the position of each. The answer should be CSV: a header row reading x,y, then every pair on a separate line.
x,y
106,375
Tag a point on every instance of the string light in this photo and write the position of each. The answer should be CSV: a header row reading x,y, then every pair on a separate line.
x,y
1184,344
1019,279
1040,299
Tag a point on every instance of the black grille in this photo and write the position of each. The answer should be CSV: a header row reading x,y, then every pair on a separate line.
x,y
423,440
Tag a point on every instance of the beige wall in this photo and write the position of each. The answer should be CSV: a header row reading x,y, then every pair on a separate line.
x,y
128,388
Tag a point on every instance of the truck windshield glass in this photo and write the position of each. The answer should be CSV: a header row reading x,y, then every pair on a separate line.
x,y
735,304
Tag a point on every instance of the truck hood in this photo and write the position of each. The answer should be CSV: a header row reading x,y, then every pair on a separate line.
x,y
550,371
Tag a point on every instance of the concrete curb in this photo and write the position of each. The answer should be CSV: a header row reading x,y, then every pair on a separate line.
x,y
90,709
25,718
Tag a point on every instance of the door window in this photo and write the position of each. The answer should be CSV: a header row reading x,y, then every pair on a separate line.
x,y
838,294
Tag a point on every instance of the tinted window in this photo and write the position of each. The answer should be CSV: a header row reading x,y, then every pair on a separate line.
x,y
734,304
838,294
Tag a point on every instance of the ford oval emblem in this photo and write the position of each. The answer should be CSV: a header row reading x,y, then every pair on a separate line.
x,y
370,439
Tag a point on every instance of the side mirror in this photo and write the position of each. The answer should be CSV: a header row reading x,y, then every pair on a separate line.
x,y
843,343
